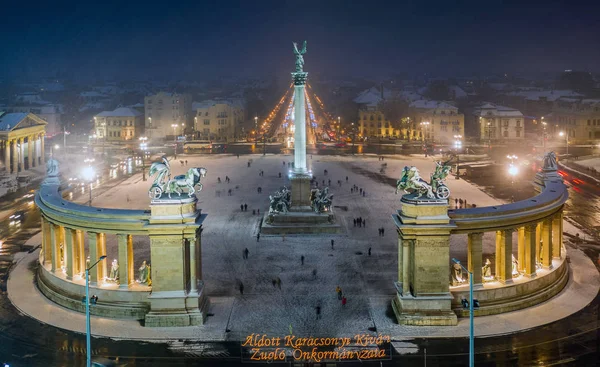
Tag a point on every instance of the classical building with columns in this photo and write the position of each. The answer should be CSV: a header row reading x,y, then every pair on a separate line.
x,y
164,287
529,265
22,141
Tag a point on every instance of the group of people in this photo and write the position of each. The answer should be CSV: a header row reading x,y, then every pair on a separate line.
x,y
182,163
381,232
244,207
340,295
227,179
360,222
460,203
360,191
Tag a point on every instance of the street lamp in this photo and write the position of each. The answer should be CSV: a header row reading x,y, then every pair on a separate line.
x,y
353,137
339,127
566,139
424,126
471,329
88,335
256,128
544,123
89,174
489,126
143,147
457,146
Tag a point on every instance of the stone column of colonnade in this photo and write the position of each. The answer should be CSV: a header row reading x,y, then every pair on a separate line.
x,y
547,243
475,261
21,148
7,156
557,239
125,254
14,156
30,158
42,149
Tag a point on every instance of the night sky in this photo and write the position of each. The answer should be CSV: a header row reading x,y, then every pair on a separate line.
x,y
131,39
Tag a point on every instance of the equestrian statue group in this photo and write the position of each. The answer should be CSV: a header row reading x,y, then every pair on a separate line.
x,y
164,184
412,183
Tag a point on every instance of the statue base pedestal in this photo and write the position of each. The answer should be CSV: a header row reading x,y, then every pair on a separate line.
x,y
300,221
177,309
434,310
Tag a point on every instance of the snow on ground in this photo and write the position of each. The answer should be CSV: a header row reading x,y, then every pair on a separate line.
x,y
228,231
592,163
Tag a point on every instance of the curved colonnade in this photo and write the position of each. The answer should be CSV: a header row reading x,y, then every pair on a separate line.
x,y
423,286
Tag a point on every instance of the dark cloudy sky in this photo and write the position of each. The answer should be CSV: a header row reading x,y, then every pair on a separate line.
x,y
120,39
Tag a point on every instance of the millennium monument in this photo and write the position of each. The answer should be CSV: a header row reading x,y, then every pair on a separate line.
x,y
300,210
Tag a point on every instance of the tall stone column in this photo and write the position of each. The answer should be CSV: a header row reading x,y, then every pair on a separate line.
x,y
21,148
498,255
193,264
400,261
547,243
30,152
69,252
7,156
407,246
126,276
538,242
101,250
529,242
14,157
76,254
34,158
93,255
521,249
475,249
505,257
42,149
54,245
300,175
81,251
557,233
46,241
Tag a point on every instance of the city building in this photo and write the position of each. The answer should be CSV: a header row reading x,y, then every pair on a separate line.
x,y
578,118
167,115
122,124
499,122
219,120
32,102
435,121
372,122
21,141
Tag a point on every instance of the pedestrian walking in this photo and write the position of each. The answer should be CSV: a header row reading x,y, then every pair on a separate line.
x,y
248,164
302,260
258,211
242,207
318,309
253,211
360,191
329,182
344,300
323,182
219,179
279,283
245,207
379,232
258,237
274,281
351,190
346,178
279,174
466,206
364,194
186,162
355,222
460,202
314,273
246,252
332,242
229,192
238,155
364,223
382,232
456,202
241,288
338,290
284,163
369,251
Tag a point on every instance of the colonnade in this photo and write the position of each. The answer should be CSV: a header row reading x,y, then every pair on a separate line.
x,y
63,248
537,244
13,150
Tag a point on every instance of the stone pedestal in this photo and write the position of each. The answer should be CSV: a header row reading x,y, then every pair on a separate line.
x,y
301,192
423,297
175,301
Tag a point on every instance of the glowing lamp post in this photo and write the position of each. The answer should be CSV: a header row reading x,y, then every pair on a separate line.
x,y
143,146
457,146
89,174
471,326
512,171
88,335
562,133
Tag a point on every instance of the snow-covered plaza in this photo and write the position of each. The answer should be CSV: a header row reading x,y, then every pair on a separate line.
x,y
228,231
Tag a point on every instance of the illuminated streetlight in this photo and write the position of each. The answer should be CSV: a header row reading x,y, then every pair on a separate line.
x,y
566,139
89,174
143,147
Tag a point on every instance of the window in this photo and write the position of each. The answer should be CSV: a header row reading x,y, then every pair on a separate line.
x,y
505,134
506,123
206,131
206,121
372,117
590,122
444,128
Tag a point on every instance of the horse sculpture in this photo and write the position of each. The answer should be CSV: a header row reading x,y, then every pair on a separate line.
x,y
163,184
